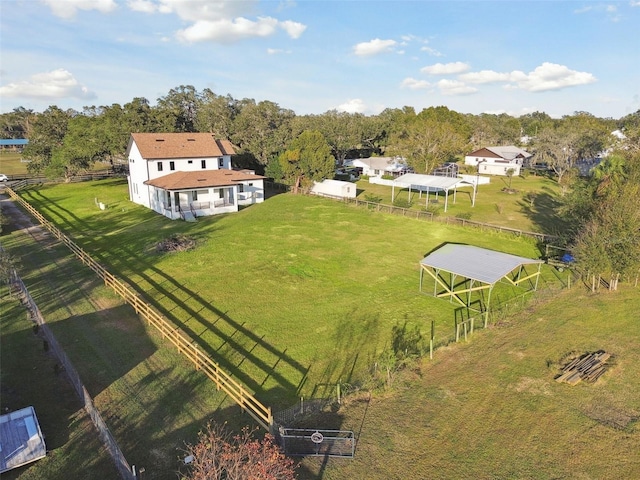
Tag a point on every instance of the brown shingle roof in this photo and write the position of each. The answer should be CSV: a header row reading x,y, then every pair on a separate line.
x,y
181,145
202,179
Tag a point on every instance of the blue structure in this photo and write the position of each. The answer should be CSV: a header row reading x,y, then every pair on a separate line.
x,y
13,143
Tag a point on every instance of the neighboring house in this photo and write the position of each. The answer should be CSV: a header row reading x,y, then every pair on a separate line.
x,y
379,166
498,160
187,175
334,188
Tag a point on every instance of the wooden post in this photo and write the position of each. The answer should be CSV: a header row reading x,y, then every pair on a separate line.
x,y
433,336
338,390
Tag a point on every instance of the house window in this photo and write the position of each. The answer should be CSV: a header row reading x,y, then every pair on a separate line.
x,y
220,162
172,166
221,192
376,172
203,163
159,166
195,195
241,188
190,162
250,184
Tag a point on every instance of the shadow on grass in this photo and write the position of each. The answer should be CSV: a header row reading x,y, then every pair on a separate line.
x,y
239,347
543,211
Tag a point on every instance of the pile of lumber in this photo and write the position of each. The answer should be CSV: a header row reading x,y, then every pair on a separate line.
x,y
587,367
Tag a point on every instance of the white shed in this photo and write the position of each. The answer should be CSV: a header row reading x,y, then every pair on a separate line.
x,y
334,188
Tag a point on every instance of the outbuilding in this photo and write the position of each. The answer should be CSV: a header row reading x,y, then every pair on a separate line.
x,y
334,188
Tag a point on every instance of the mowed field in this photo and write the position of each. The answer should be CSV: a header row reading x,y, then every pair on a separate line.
x,y
297,294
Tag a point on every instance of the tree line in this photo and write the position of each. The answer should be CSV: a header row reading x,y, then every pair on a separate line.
x,y
601,212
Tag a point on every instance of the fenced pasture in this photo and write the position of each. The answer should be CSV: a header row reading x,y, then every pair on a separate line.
x,y
291,296
259,279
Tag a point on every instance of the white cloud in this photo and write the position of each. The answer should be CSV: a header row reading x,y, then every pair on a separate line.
x,y
551,76
414,84
49,85
455,87
445,68
486,76
293,29
431,51
374,47
355,105
548,76
219,21
231,30
635,3
144,6
69,8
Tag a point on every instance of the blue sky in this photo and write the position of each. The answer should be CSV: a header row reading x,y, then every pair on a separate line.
x,y
512,57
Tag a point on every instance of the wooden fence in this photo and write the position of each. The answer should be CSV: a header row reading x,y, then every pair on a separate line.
x,y
177,337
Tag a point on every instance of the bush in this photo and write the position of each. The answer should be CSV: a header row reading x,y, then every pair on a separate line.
x,y
402,203
464,215
372,198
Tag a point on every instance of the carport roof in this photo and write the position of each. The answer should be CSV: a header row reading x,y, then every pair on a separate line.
x,y
487,266
431,181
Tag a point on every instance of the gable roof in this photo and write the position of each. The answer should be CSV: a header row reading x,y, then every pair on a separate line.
x,y
508,152
380,163
180,145
202,179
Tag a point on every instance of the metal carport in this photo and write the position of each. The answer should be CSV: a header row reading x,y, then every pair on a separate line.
x,y
473,269
428,183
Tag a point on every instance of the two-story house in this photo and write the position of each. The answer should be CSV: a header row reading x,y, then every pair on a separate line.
x,y
186,175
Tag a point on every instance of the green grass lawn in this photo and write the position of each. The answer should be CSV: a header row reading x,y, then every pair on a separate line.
x,y
292,296
493,205
10,163
492,409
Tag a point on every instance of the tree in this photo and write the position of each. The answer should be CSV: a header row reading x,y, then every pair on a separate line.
x,y
180,106
216,114
557,147
433,137
218,455
607,239
17,123
262,129
308,158
48,131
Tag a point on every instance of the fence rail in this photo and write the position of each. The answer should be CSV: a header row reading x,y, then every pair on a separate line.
x,y
185,345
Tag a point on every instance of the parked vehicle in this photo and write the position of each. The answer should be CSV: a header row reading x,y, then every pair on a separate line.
x,y
3,177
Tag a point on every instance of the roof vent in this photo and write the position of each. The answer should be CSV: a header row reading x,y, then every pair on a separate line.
x,y
191,139
159,139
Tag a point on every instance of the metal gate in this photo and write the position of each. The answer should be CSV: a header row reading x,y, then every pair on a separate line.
x,y
324,443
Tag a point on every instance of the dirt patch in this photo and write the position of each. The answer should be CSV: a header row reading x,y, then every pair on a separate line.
x,y
176,243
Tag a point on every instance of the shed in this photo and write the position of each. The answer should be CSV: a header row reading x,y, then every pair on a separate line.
x,y
334,188
21,440
458,271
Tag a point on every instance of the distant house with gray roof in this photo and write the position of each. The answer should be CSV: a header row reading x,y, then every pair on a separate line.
x,y
498,160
